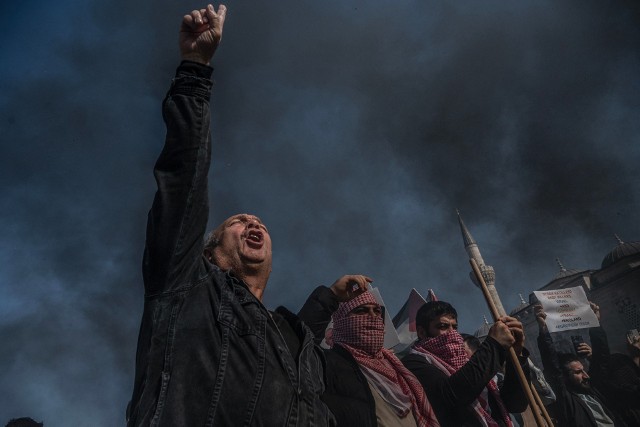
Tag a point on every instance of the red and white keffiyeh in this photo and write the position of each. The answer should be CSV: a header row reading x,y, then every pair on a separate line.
x,y
447,353
363,337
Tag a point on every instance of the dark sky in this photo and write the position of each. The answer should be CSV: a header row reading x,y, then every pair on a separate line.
x,y
353,128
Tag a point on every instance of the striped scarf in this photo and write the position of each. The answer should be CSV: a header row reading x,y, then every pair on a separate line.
x,y
363,337
446,352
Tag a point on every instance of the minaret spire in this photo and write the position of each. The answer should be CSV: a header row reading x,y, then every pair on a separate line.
x,y
473,251
522,301
470,244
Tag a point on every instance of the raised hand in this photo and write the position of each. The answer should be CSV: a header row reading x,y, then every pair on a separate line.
x,y
584,350
540,316
516,329
350,286
201,32
500,332
596,309
633,341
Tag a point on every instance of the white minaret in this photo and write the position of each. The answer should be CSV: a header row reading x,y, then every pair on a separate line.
x,y
488,274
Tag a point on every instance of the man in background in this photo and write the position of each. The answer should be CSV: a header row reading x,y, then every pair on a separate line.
x,y
578,404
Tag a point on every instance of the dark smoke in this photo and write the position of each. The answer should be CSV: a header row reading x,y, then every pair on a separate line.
x,y
354,129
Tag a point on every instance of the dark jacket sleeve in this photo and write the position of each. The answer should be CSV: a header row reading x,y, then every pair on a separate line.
x,y
599,347
347,392
550,363
512,394
317,310
178,217
449,393
564,406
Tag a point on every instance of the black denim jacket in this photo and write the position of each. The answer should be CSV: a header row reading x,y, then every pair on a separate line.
x,y
209,353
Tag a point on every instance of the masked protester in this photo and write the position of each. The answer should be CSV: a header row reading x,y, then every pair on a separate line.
x,y
461,387
366,384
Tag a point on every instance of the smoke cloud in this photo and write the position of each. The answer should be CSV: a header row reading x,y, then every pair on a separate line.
x,y
353,129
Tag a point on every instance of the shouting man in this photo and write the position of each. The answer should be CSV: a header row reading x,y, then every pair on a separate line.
x,y
209,352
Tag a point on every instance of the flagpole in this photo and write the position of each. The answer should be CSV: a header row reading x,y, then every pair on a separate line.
x,y
535,407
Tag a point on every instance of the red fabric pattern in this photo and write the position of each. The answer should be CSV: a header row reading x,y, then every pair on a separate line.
x,y
448,349
366,333
363,337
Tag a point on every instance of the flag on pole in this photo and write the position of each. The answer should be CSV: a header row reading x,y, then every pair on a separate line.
x,y
405,320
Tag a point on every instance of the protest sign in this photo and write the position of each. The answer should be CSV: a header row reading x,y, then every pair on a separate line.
x,y
567,309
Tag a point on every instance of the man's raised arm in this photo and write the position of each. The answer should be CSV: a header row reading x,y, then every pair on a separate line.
x,y
178,218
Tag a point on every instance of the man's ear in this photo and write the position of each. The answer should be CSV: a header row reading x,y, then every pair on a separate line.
x,y
208,254
422,334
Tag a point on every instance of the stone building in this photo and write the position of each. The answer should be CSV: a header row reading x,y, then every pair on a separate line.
x,y
615,287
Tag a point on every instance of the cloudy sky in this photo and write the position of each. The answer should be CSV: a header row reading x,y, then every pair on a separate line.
x,y
353,128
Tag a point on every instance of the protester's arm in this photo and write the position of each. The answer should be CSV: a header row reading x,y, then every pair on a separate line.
x,y
465,385
563,407
323,302
510,333
512,393
317,310
548,354
178,217
540,383
599,342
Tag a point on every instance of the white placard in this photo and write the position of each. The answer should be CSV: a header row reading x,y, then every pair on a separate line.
x,y
567,309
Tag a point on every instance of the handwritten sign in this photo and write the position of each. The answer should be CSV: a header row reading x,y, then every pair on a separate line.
x,y
567,309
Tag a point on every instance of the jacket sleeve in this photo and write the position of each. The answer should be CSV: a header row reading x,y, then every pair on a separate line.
x,y
449,393
317,310
599,347
549,358
540,383
512,393
178,217
553,374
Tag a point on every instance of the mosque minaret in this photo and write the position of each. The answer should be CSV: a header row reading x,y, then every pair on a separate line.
x,y
487,271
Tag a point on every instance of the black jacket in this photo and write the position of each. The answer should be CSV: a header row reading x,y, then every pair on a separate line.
x,y
619,381
451,396
569,409
209,353
347,392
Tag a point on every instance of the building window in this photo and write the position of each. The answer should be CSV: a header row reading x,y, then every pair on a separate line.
x,y
629,312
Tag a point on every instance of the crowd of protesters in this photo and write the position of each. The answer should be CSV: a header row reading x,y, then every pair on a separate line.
x,y
210,354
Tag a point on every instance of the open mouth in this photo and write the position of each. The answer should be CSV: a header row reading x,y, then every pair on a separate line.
x,y
254,239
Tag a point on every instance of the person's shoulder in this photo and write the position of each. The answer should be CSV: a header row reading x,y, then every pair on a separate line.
x,y
619,359
340,362
413,357
414,361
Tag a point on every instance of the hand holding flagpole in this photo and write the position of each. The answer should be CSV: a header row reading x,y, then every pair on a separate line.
x,y
536,404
